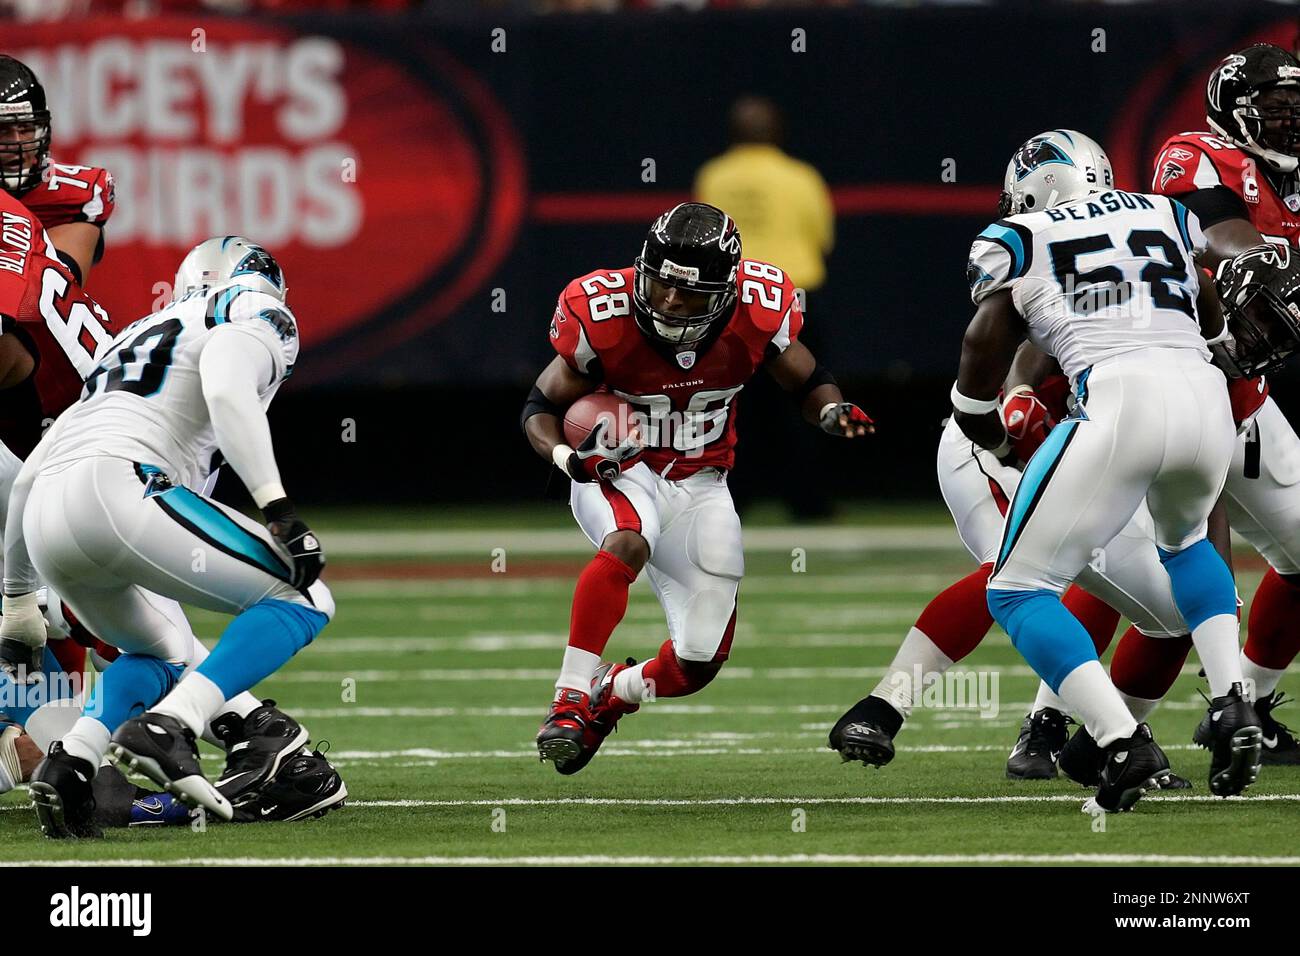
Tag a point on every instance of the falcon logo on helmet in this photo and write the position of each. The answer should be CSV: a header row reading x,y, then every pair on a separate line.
x,y
1243,106
1260,293
685,287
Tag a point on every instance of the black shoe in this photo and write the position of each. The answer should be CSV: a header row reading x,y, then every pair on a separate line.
x,y
1237,743
1132,766
1042,737
163,749
304,786
866,732
1280,745
1081,760
63,795
256,747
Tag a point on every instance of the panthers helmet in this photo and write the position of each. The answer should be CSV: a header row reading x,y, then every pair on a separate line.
x,y
225,259
1232,104
1053,168
24,127
1260,293
694,248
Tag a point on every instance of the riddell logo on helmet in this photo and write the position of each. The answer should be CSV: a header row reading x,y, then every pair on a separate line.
x,y
671,270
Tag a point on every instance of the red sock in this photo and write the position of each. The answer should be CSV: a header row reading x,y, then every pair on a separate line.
x,y
599,602
958,617
1273,627
671,678
1147,667
1097,617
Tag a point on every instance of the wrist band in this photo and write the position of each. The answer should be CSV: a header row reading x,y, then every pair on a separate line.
x,y
972,406
560,455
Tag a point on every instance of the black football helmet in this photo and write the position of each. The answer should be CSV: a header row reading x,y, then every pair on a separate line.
x,y
1232,105
24,127
1260,292
694,248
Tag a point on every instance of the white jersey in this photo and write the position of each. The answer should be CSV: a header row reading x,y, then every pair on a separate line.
x,y
144,401
1096,278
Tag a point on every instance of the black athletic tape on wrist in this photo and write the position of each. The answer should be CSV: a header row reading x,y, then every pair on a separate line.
x,y
538,404
820,376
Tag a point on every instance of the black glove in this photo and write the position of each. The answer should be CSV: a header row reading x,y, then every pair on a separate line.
x,y
287,528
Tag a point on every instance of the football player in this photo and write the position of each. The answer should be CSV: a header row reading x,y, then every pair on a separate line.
x,y
677,335
170,390
1129,325
73,202
1240,178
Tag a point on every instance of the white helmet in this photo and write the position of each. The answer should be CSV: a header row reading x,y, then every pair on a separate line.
x,y
1055,167
222,260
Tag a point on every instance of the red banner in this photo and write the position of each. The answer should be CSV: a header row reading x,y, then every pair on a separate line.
x,y
374,183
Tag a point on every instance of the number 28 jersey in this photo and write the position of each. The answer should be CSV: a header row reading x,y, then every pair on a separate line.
x,y
144,400
684,400
1096,278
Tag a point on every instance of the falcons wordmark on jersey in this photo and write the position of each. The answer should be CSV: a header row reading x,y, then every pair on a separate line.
x,y
684,398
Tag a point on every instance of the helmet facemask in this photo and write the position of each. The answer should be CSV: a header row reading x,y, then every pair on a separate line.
x,y
1260,295
24,146
1272,127
684,318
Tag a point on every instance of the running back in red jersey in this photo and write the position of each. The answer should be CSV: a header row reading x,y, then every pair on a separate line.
x,y
63,328
686,399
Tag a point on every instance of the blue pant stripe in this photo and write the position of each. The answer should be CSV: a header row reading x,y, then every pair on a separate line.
x,y
1032,484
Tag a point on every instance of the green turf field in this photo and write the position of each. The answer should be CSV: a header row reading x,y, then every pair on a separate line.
x,y
431,682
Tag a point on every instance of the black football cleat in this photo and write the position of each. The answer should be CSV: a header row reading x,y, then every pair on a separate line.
x,y
256,747
866,732
566,732
63,795
163,749
1280,746
1081,760
1236,743
306,785
1042,737
1132,766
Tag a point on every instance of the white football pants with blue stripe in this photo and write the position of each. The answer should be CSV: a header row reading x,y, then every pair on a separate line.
x,y
112,536
1152,425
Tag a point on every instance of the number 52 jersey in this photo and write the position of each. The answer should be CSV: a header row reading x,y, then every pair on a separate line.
x,y
144,400
1098,277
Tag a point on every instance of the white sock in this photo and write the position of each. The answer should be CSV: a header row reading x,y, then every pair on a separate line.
x,y
1263,680
241,705
1139,707
917,659
1218,641
88,739
631,686
1090,694
194,701
1048,698
578,669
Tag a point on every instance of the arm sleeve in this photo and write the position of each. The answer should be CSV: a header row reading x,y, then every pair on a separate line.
x,y
1214,205
236,363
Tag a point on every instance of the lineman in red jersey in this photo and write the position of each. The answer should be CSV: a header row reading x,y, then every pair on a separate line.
x,y
1241,181
72,202
677,335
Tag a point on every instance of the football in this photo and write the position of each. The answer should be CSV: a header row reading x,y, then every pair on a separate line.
x,y
583,415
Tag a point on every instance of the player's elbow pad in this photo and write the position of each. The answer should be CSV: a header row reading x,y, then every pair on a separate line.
x,y
538,404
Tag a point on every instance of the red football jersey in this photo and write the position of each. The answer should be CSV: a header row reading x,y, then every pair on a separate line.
x,y
71,194
686,402
63,328
1192,161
